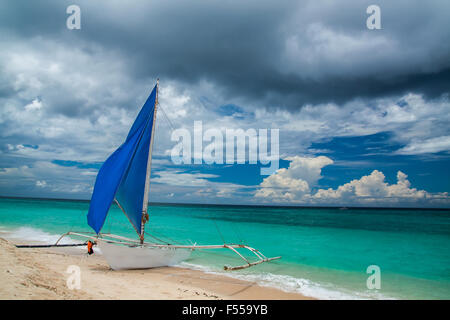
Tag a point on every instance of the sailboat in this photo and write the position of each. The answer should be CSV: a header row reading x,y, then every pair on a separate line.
x,y
124,179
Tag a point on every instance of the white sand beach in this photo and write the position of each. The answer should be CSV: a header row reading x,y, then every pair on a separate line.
x,y
41,273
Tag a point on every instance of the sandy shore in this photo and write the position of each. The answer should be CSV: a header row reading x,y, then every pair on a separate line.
x,y
42,274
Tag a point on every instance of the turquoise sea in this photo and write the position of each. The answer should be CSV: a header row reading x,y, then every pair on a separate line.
x,y
326,251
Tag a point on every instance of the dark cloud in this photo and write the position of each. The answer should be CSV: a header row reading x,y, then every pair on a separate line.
x,y
275,53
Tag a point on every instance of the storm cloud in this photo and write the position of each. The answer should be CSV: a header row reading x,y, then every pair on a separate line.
x,y
270,53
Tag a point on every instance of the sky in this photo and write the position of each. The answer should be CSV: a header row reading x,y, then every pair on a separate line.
x,y
363,115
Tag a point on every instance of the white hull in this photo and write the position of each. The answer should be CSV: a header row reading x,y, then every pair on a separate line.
x,y
126,257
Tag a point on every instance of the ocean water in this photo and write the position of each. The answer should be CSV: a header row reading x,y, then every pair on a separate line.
x,y
325,251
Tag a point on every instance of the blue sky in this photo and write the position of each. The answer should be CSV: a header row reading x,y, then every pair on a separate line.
x,y
357,157
363,115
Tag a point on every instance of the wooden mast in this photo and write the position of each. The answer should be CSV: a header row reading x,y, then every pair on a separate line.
x,y
144,217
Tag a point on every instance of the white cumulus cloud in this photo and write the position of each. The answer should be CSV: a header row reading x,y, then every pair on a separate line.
x,y
295,185
41,183
295,182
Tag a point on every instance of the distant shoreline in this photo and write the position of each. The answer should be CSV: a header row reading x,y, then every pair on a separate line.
x,y
174,204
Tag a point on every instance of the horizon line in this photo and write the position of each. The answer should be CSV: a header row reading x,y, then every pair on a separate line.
x,y
343,207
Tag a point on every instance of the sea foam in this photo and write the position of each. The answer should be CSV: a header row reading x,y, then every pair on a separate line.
x,y
291,284
34,236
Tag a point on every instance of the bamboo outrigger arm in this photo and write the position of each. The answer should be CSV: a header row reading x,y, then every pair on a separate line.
x,y
261,258
111,238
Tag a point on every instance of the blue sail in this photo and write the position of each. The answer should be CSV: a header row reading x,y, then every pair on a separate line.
x,y
123,175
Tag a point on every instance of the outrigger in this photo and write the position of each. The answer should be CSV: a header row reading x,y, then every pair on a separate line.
x,y
121,258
